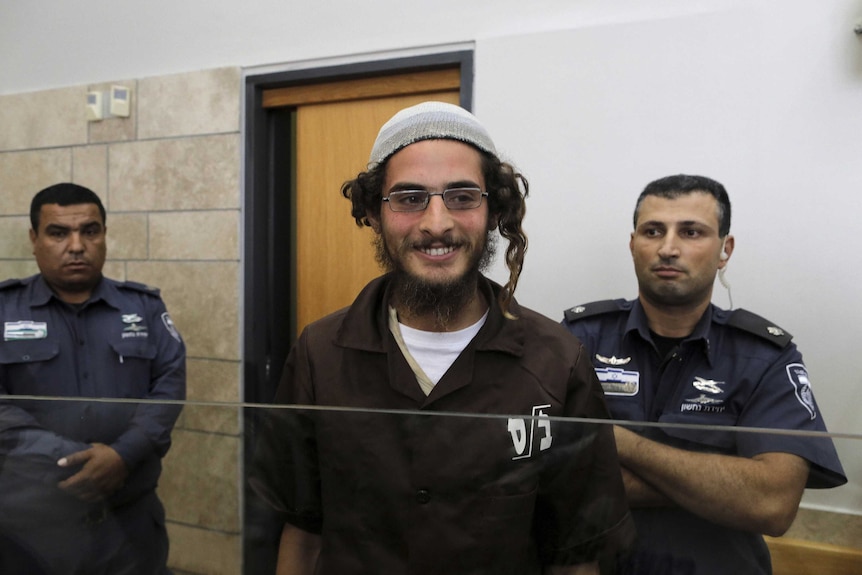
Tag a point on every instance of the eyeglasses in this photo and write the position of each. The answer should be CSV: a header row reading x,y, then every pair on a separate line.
x,y
417,200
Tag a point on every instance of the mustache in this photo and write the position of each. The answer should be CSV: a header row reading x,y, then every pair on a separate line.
x,y
429,242
667,264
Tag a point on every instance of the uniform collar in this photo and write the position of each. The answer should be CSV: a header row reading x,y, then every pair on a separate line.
x,y
637,322
365,324
105,290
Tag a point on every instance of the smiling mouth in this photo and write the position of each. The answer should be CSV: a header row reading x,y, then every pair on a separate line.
x,y
438,251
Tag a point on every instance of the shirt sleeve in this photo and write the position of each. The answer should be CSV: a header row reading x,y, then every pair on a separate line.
x,y
783,399
149,430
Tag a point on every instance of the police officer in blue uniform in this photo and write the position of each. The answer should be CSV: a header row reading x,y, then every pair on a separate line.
x,y
701,498
78,477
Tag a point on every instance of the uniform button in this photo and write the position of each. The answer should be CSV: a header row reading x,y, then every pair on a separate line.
x,y
423,496
81,342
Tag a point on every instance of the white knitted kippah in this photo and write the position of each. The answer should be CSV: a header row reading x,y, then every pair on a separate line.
x,y
429,121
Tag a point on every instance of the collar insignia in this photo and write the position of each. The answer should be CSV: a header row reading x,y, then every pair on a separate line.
x,y
613,360
776,331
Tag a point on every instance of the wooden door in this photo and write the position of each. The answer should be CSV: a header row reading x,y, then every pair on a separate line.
x,y
335,258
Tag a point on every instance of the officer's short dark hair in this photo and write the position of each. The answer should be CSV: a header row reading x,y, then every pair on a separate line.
x,y
63,194
671,187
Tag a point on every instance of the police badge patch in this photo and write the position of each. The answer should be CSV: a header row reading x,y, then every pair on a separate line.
x,y
169,325
802,386
25,329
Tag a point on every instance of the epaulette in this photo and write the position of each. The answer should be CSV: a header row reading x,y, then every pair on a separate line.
x,y
5,284
596,308
753,323
140,287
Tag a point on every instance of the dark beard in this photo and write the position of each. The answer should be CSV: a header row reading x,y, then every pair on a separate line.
x,y
442,300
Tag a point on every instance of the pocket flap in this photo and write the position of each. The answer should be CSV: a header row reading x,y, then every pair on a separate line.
x,y
26,351
131,348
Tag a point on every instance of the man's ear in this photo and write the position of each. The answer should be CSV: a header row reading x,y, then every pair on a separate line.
x,y
32,237
632,244
727,249
374,222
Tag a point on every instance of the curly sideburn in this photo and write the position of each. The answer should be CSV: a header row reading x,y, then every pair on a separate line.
x,y
507,190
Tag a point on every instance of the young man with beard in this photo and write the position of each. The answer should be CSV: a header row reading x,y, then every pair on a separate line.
x,y
700,498
400,484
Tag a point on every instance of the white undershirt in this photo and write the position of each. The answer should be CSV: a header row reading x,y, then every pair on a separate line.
x,y
431,353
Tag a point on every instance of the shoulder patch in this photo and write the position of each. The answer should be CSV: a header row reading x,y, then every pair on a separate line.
x,y
140,287
595,308
753,323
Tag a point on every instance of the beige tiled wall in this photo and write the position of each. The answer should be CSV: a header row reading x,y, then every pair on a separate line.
x,y
49,119
169,178
25,173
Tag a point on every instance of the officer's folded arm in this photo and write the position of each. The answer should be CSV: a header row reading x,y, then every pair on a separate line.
x,y
759,494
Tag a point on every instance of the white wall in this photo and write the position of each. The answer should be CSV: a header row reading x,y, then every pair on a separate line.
x,y
52,43
592,99
768,102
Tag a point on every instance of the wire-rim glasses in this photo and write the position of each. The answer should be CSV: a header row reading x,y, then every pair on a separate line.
x,y
418,200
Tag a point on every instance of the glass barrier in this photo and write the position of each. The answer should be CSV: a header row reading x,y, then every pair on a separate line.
x,y
465,493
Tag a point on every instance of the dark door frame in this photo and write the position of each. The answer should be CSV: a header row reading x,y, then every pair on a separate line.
x,y
269,320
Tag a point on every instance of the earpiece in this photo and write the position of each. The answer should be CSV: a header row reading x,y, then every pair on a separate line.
x,y
724,257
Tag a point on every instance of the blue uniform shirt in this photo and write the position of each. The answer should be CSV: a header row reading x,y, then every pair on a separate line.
x,y
119,344
736,370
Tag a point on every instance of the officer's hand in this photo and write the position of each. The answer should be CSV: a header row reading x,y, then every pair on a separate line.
x,y
103,473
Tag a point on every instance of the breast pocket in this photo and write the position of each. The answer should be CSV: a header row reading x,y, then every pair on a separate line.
x,y
627,408
25,365
134,358
28,351
702,429
130,349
